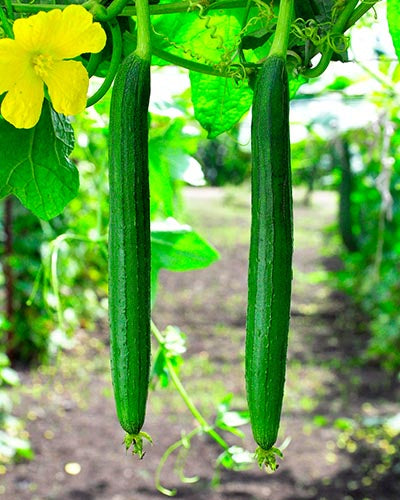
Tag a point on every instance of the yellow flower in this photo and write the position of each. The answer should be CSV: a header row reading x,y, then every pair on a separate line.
x,y
36,57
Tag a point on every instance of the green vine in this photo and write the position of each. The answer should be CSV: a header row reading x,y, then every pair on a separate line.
x,y
9,9
101,13
168,8
281,38
362,9
93,64
143,47
6,24
185,396
183,443
336,32
190,64
114,64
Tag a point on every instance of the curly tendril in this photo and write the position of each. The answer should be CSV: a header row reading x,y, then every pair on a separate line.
x,y
188,52
311,31
338,42
266,11
212,28
335,40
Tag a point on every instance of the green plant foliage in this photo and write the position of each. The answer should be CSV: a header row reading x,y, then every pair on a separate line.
x,y
223,161
203,36
29,336
12,447
218,102
35,165
171,152
223,48
173,347
393,17
177,247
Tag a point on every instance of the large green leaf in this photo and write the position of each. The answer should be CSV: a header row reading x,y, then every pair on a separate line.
x,y
324,7
219,103
208,39
171,150
178,248
34,164
393,17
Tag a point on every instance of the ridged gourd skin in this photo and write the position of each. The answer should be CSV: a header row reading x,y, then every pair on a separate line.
x,y
129,242
271,248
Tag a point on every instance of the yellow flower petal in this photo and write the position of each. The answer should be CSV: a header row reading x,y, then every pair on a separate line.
x,y
67,83
62,34
33,32
23,103
14,62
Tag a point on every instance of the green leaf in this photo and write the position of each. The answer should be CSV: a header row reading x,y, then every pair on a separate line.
x,y
4,361
393,17
218,102
340,83
171,151
34,164
206,38
229,420
11,446
320,421
236,458
295,84
344,424
9,376
178,248
323,9
209,38
173,347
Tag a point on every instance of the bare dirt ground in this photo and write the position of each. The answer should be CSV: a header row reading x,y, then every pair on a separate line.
x,y
332,400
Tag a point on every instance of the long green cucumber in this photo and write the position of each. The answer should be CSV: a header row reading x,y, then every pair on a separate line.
x,y
129,245
270,258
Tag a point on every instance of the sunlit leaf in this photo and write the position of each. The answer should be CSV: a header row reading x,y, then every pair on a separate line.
x,y
9,376
178,248
236,458
219,103
393,17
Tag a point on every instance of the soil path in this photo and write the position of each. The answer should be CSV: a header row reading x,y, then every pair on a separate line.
x,y
329,395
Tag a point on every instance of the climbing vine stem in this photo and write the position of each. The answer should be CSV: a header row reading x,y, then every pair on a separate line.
x,y
168,8
114,63
6,24
143,47
185,396
338,29
281,37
